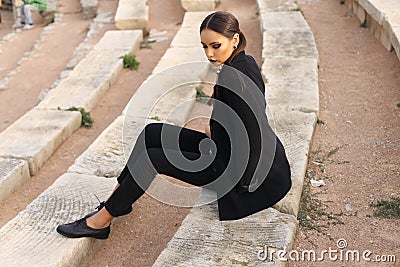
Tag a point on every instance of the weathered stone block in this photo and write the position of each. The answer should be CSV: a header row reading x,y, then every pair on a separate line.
x,y
89,8
13,173
295,130
289,44
283,20
292,84
107,155
203,240
198,5
128,41
194,19
102,62
187,37
83,92
132,15
151,99
180,56
30,239
277,5
37,134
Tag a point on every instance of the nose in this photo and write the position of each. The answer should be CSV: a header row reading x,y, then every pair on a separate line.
x,y
209,53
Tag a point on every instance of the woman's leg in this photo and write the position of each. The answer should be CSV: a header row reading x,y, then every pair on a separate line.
x,y
151,156
157,135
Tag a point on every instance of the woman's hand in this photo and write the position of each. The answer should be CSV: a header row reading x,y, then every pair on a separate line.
x,y
208,131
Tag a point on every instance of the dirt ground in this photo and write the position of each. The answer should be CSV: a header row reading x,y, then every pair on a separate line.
x,y
359,90
359,84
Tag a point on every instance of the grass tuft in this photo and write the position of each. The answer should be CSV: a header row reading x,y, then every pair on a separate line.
x,y
387,209
146,44
201,96
320,122
87,121
156,118
130,61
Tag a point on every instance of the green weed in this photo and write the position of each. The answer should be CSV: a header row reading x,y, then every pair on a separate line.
x,y
130,61
201,96
87,121
146,44
156,118
387,209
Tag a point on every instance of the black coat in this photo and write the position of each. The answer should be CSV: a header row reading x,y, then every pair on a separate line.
x,y
250,161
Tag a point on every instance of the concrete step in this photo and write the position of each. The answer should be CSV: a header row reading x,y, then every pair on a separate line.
x,y
132,14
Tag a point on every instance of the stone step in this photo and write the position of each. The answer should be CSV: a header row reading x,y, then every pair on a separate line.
x,y
295,130
198,5
291,68
292,84
382,17
13,173
93,75
106,156
276,5
37,134
132,15
289,44
203,240
72,195
30,238
89,8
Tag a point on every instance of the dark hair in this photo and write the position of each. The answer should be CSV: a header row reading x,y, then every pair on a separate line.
x,y
226,24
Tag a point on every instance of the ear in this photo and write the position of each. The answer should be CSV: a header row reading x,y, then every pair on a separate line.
x,y
235,39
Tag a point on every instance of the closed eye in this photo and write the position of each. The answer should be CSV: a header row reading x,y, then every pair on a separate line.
x,y
216,46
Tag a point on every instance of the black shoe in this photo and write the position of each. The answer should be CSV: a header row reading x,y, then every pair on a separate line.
x,y
101,205
79,228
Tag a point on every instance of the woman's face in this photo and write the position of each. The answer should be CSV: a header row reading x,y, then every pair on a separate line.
x,y
217,47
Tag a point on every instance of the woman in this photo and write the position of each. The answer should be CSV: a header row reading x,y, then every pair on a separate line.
x,y
238,156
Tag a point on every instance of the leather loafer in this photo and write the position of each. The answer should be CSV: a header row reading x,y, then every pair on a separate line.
x,y
79,228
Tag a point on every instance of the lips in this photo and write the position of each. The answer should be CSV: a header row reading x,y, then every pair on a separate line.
x,y
212,61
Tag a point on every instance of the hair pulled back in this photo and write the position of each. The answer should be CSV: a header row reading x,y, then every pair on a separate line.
x,y
226,24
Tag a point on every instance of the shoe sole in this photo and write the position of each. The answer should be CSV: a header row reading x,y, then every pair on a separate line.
x,y
105,236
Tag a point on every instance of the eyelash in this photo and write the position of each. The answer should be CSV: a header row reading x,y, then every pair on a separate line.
x,y
214,46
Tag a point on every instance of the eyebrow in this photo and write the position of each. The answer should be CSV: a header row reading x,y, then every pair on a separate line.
x,y
213,43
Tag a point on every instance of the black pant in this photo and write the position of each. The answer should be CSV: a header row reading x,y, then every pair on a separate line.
x,y
165,149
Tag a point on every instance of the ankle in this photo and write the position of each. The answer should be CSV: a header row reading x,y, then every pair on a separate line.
x,y
92,222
